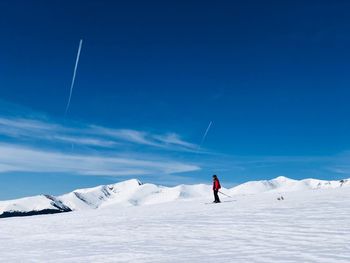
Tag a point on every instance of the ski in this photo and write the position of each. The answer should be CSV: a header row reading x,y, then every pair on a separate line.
x,y
212,203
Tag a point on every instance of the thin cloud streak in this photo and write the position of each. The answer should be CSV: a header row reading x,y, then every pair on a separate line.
x,y
15,158
168,141
86,141
205,135
74,74
89,135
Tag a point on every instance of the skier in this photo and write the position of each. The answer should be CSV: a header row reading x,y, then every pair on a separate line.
x,y
216,187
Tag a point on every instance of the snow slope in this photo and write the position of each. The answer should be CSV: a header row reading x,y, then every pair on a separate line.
x,y
133,193
308,226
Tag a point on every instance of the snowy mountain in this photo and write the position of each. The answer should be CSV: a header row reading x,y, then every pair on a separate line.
x,y
133,193
283,184
36,205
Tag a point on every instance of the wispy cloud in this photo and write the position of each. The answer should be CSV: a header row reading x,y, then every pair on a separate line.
x,y
24,159
169,141
41,145
86,141
19,127
89,135
341,165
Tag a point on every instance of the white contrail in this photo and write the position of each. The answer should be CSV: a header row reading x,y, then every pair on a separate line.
x,y
205,135
74,74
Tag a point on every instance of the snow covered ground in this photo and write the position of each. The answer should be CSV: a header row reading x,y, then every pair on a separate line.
x,y
308,226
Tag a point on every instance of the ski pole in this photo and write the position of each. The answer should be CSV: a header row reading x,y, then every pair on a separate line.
x,y
225,194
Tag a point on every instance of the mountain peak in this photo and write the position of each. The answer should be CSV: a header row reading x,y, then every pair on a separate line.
x,y
282,178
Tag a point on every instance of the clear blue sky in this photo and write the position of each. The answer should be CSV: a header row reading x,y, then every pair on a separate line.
x,y
273,76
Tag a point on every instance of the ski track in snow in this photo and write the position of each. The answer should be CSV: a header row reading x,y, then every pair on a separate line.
x,y
308,226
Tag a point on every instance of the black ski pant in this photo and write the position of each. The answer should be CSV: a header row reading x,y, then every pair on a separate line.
x,y
216,196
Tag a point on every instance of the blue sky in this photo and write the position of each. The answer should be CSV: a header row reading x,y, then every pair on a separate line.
x,y
272,76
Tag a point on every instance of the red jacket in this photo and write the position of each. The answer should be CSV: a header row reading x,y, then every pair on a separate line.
x,y
216,184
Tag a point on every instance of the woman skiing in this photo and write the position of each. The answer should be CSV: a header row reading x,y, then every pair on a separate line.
x,y
216,187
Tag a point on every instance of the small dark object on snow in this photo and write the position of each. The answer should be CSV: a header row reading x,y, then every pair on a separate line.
x,y
280,198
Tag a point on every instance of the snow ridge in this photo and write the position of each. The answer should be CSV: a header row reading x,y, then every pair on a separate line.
x,y
133,193
284,184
